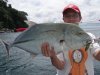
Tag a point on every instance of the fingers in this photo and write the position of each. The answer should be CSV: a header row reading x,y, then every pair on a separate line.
x,y
45,48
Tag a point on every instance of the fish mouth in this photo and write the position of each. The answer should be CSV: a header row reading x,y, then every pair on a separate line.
x,y
88,43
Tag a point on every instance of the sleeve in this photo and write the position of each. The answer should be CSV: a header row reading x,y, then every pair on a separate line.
x,y
94,46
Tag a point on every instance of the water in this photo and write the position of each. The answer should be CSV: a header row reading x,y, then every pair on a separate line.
x,y
92,27
20,62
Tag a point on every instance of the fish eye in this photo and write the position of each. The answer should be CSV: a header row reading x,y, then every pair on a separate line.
x,y
61,41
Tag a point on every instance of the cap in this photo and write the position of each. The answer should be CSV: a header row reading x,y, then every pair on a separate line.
x,y
73,7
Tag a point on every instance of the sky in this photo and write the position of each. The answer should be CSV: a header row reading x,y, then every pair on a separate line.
x,y
41,11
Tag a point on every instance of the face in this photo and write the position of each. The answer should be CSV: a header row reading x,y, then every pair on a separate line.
x,y
71,17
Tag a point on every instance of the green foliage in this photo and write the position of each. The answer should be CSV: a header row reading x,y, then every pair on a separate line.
x,y
11,18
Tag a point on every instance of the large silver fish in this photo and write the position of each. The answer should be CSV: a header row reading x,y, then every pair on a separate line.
x,y
60,35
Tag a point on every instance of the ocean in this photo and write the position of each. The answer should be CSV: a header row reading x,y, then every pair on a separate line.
x,y
20,62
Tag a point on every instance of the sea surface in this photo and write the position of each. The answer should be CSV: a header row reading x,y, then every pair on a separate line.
x,y
20,62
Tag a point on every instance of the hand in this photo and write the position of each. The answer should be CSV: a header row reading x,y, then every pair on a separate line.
x,y
47,50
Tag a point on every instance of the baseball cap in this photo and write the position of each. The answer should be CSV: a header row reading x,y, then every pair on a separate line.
x,y
73,7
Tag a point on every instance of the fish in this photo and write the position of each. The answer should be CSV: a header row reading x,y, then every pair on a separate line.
x,y
63,36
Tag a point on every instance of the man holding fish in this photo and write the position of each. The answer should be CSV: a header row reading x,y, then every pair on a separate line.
x,y
73,62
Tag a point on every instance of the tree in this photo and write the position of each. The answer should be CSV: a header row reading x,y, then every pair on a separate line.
x,y
11,18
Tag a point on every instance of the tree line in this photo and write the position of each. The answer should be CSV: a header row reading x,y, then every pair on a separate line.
x,y
10,18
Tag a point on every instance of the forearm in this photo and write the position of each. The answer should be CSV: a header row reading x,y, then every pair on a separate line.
x,y
57,63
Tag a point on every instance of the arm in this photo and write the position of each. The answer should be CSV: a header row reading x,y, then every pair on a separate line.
x,y
95,47
97,55
57,63
49,52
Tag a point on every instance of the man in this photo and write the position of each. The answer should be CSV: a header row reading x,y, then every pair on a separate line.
x,y
77,62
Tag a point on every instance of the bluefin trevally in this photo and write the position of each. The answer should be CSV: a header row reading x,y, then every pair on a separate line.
x,y
60,35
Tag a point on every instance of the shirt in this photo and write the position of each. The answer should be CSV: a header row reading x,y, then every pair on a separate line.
x,y
88,63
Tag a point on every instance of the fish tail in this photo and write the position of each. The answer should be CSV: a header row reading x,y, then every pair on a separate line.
x,y
6,45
